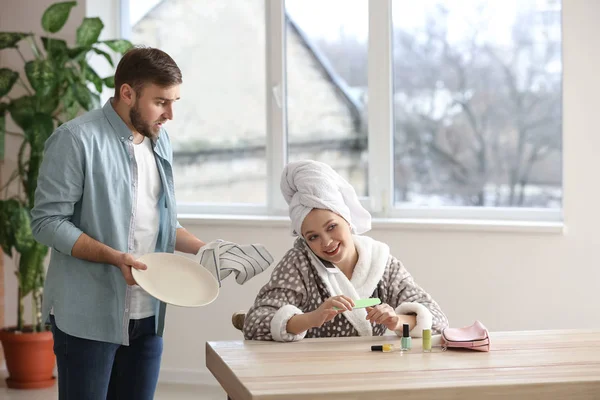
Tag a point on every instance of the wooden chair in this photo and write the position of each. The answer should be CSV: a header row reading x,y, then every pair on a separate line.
x,y
237,320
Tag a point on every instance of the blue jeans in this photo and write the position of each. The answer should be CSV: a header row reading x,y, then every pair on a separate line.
x,y
93,370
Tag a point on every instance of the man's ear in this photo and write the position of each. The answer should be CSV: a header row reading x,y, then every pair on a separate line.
x,y
127,94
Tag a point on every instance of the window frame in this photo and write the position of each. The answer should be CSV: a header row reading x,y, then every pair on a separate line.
x,y
380,201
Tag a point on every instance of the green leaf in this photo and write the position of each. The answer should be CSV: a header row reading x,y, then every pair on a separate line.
x,y
72,75
48,104
2,136
3,107
89,31
22,110
77,52
22,163
95,100
41,75
25,275
109,82
92,76
70,105
22,225
55,48
29,266
10,39
119,45
33,168
7,80
83,95
56,16
39,130
8,208
106,55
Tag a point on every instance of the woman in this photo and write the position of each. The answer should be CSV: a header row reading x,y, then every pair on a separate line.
x,y
312,290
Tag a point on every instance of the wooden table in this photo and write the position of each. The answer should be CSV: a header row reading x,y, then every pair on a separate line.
x,y
532,365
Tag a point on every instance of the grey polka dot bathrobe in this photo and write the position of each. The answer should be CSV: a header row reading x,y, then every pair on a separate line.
x,y
301,282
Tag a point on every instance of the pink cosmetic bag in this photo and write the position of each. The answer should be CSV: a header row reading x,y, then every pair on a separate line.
x,y
474,337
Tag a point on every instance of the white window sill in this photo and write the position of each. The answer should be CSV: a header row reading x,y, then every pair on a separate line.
x,y
400,224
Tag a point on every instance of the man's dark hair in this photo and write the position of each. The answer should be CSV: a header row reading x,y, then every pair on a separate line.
x,y
146,65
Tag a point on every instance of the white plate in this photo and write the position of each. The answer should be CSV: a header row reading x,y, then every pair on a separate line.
x,y
176,280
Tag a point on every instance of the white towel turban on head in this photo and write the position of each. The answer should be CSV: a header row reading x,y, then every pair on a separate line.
x,y
309,184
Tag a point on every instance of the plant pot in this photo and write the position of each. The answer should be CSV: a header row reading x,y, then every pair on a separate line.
x,y
30,359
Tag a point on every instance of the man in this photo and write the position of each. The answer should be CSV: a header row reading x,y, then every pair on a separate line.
x,y
105,196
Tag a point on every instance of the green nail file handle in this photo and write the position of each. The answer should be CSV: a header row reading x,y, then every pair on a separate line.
x,y
363,303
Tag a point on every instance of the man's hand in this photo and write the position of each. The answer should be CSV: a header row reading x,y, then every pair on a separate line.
x,y
92,250
187,243
125,262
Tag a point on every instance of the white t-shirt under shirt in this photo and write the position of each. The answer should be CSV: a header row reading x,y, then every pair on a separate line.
x,y
146,221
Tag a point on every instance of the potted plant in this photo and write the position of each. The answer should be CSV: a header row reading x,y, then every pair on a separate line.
x,y
59,83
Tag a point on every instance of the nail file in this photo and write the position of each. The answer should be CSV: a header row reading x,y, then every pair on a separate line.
x,y
363,303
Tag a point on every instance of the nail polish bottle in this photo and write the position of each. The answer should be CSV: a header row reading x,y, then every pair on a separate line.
x,y
386,348
426,340
405,342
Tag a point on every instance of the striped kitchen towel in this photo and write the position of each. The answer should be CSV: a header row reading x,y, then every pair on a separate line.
x,y
222,258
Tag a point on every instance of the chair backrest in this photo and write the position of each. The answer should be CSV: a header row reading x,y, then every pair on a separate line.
x,y
237,320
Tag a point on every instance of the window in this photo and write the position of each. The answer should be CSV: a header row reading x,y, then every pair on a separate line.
x,y
219,128
477,103
430,109
326,60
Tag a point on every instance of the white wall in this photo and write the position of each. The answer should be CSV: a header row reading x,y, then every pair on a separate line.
x,y
508,280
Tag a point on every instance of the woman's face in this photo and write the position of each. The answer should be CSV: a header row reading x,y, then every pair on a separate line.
x,y
328,235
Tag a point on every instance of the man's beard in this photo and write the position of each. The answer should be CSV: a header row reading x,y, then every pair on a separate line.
x,y
139,125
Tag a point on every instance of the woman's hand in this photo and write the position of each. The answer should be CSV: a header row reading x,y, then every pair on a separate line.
x,y
329,309
384,314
